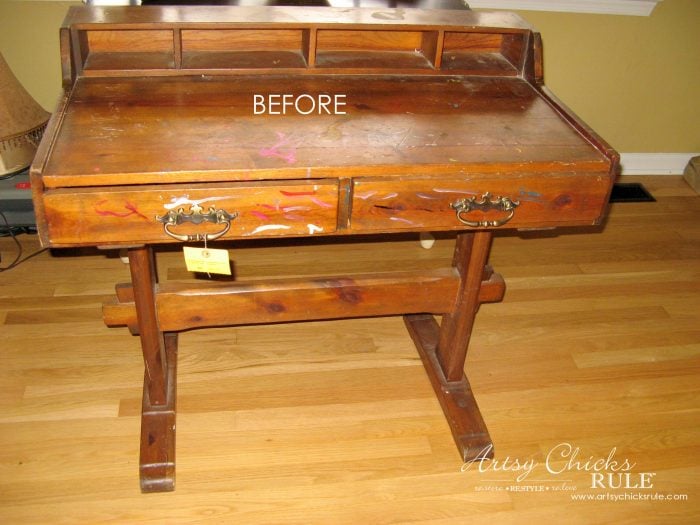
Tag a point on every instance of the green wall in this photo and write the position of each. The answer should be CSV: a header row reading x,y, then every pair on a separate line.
x,y
635,80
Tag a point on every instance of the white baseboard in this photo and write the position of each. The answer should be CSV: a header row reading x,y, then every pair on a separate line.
x,y
655,163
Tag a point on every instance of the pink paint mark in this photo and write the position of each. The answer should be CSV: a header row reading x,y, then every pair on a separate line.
x,y
260,215
132,207
321,203
274,151
129,206
293,217
295,208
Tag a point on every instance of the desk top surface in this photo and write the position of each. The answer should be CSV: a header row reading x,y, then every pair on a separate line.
x,y
180,129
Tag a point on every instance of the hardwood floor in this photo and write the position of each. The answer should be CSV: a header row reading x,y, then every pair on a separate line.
x,y
589,367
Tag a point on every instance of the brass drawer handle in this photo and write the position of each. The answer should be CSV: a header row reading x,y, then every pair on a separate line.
x,y
487,203
195,216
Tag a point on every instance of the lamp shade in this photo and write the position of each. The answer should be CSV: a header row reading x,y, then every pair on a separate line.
x,y
22,122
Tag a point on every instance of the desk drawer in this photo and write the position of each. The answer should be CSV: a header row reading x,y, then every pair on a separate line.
x,y
428,204
128,214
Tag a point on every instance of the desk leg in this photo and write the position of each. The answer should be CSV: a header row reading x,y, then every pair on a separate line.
x,y
443,349
157,461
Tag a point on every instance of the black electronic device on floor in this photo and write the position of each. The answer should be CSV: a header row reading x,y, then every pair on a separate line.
x,y
16,208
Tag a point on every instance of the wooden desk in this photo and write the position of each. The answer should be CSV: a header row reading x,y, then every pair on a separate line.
x,y
446,125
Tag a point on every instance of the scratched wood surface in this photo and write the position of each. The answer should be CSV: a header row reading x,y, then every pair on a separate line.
x,y
197,128
596,344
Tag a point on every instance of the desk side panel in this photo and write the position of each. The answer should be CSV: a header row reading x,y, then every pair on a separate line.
x,y
38,167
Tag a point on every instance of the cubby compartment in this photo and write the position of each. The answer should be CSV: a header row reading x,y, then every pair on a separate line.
x,y
482,53
127,49
244,48
375,49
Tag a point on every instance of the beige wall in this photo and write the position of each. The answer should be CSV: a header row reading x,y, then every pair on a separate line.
x,y
29,43
635,80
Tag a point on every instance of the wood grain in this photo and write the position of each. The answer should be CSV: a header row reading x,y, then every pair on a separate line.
x,y
595,344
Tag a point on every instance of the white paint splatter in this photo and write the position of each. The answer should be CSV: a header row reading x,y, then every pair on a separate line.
x,y
314,229
268,227
181,201
401,219
426,196
365,196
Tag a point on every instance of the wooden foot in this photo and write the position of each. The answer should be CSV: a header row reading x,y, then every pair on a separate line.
x,y
456,398
157,462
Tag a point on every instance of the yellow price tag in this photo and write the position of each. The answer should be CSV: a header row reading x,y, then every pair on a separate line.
x,y
207,260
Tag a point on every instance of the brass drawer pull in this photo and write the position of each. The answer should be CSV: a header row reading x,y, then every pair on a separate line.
x,y
487,203
195,216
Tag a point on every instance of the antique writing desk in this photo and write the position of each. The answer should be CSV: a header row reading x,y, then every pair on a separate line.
x,y
445,125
